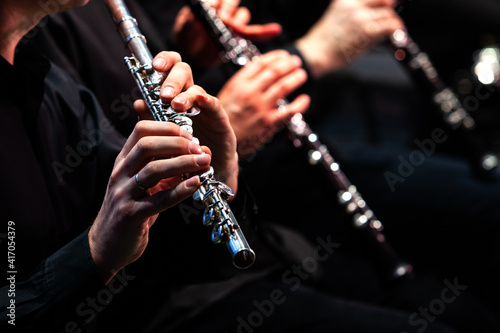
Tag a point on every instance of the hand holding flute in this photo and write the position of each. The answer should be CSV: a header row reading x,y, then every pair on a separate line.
x,y
195,44
216,129
148,175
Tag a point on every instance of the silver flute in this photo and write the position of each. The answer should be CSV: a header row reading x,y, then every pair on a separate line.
x,y
212,192
241,51
454,114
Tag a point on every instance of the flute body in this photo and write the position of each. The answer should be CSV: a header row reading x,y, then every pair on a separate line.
x,y
213,193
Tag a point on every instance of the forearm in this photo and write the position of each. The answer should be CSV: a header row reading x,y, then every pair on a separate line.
x,y
319,60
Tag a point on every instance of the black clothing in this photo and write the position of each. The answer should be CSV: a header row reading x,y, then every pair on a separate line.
x,y
379,123
168,301
57,151
91,52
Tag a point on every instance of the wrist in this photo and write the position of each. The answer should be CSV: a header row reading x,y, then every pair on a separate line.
x,y
105,271
320,60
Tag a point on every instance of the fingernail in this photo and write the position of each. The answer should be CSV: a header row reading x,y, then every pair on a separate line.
x,y
194,148
192,182
180,100
202,160
159,62
167,92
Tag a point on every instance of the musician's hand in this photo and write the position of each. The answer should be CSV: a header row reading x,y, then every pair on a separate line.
x,y
211,126
146,179
347,29
197,46
238,18
252,95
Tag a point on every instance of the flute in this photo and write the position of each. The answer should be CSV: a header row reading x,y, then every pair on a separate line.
x,y
211,192
454,114
241,51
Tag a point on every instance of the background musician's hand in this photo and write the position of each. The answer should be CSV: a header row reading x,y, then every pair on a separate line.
x,y
196,45
238,18
251,98
347,29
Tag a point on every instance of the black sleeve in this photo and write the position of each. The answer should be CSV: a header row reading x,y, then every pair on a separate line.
x,y
52,294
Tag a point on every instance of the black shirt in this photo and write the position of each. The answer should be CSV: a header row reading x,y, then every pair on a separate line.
x,y
57,150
